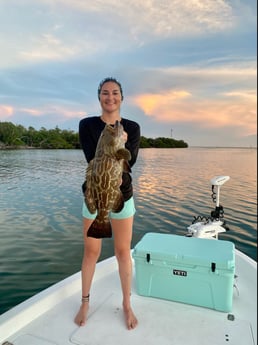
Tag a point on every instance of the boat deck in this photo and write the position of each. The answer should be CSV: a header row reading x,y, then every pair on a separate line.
x,y
160,322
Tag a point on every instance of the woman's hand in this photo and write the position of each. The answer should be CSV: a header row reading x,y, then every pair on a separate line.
x,y
125,136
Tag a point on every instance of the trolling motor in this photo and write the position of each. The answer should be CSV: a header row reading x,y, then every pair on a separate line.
x,y
210,227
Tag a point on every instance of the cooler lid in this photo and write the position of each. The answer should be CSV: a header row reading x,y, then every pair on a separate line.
x,y
188,250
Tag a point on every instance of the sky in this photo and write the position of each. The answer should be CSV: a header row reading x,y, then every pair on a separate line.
x,y
188,68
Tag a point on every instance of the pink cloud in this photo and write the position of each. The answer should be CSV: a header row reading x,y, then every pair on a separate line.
x,y
181,106
6,111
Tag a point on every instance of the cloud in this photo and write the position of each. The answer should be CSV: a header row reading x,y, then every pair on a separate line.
x,y
160,104
57,111
48,47
190,64
161,18
6,111
180,107
209,97
63,29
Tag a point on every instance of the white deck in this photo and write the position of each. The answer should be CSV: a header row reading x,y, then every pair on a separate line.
x,y
160,322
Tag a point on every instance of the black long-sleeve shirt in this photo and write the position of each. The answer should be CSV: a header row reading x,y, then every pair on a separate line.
x,y
90,129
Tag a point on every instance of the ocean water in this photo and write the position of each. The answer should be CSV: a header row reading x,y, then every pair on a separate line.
x,y
41,199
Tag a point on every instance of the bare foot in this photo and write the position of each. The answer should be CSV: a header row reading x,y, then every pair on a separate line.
x,y
130,318
81,317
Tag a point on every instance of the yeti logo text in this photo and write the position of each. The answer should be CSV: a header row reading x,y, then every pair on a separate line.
x,y
180,273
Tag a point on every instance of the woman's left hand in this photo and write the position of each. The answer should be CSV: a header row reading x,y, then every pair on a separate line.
x,y
125,136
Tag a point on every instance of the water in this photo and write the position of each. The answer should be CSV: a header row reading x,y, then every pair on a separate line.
x,y
40,207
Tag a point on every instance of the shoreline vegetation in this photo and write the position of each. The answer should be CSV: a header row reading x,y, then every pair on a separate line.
x,y
18,137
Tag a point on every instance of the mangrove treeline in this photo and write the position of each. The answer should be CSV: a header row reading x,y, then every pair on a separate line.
x,y
17,136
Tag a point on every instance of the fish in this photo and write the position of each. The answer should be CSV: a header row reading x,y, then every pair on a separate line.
x,y
104,177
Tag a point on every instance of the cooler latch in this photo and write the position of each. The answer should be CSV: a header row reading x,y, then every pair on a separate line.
x,y
148,257
213,266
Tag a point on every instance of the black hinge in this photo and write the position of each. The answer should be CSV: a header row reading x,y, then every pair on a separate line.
x,y
148,257
213,266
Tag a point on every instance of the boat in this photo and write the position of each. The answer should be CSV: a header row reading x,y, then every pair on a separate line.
x,y
47,317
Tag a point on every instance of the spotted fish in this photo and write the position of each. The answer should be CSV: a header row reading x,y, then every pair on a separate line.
x,y
104,177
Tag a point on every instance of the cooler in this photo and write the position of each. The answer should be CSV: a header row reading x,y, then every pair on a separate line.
x,y
184,269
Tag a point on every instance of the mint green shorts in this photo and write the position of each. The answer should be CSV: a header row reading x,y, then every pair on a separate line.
x,y
127,211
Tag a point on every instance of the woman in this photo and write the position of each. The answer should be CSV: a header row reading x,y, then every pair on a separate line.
x,y
110,95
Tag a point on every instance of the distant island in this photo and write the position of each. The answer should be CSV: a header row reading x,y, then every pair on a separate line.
x,y
16,136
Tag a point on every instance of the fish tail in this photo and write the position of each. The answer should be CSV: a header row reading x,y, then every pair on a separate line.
x,y
100,229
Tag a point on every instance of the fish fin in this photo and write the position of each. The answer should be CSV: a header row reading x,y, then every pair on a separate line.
x,y
118,204
99,230
123,154
126,167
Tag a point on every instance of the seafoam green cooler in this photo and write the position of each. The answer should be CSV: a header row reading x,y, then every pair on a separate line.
x,y
190,270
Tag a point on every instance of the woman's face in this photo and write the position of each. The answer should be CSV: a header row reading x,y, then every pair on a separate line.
x,y
110,97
